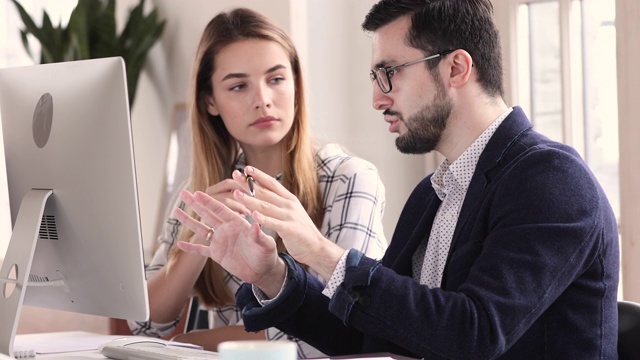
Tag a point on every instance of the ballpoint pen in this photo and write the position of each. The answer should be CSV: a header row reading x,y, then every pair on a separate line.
x,y
252,185
252,192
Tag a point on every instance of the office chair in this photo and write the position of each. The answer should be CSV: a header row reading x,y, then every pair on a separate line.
x,y
197,318
628,330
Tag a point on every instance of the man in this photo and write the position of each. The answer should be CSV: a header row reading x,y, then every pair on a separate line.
x,y
509,250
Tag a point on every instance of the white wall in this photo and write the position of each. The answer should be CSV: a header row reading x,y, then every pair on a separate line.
x,y
164,83
336,60
340,98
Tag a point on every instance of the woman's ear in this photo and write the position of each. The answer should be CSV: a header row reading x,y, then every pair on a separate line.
x,y
461,65
212,109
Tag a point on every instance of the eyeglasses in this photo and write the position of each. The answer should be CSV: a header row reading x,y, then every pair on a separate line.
x,y
383,75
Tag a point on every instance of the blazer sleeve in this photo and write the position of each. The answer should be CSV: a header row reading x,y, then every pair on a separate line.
x,y
527,239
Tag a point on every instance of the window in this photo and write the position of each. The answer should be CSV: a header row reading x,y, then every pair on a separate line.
x,y
566,79
566,61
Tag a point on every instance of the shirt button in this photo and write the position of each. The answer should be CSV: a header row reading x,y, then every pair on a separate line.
x,y
448,216
364,301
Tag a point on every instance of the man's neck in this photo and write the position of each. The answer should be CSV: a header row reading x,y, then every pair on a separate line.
x,y
466,123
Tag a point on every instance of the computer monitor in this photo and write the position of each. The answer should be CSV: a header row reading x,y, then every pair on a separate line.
x,y
72,193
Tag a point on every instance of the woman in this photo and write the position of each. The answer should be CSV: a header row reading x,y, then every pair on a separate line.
x,y
248,108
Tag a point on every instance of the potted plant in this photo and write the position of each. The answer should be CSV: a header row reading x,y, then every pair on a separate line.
x,y
91,33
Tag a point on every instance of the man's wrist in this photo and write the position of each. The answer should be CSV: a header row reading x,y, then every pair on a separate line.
x,y
271,284
326,259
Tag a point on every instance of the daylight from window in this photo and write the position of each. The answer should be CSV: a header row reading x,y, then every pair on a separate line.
x,y
593,88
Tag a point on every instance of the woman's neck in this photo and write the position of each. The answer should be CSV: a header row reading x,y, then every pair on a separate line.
x,y
268,160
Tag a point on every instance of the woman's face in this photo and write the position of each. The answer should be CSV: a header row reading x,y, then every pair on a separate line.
x,y
254,92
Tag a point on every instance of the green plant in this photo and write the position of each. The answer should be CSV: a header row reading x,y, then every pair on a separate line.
x,y
91,33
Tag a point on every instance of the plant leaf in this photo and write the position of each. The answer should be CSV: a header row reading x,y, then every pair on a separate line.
x,y
91,33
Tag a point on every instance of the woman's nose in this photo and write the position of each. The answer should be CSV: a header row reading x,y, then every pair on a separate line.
x,y
263,97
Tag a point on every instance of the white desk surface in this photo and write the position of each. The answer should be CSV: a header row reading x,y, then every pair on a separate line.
x,y
73,345
81,345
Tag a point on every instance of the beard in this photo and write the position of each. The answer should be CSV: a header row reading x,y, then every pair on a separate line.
x,y
425,128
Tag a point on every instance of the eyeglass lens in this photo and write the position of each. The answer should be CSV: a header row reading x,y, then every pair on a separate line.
x,y
383,80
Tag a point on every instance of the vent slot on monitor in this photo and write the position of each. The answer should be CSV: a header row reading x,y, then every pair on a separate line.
x,y
48,228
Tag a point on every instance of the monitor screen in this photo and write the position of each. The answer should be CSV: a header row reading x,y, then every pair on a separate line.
x,y
69,160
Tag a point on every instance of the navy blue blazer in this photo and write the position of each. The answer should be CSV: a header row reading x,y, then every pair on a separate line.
x,y
532,272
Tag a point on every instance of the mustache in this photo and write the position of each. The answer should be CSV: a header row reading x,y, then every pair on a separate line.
x,y
392,113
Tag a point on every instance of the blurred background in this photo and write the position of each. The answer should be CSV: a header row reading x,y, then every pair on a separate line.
x,y
568,63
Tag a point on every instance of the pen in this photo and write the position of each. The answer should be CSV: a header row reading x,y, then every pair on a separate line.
x,y
252,192
252,186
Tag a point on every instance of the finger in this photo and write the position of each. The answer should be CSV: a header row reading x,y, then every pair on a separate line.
x,y
261,192
229,201
205,205
193,248
266,181
224,186
269,203
241,181
270,222
196,226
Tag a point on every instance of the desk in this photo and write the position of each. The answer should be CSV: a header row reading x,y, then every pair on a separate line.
x,y
81,345
63,345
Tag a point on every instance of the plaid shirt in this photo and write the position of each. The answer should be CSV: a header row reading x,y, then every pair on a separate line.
x,y
353,200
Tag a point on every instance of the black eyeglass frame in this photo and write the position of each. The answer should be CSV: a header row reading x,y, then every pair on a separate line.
x,y
390,71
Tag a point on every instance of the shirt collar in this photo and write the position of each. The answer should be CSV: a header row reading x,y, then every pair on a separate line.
x,y
459,172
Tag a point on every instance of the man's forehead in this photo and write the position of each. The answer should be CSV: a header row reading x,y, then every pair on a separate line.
x,y
388,43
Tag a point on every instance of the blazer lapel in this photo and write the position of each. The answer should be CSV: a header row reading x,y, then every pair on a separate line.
x,y
413,227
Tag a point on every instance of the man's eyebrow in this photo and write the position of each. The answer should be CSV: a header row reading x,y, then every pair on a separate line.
x,y
243,75
381,64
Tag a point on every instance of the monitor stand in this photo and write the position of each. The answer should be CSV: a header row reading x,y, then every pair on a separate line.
x,y
17,264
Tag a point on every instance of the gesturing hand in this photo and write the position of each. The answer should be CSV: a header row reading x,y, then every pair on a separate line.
x,y
223,192
276,208
242,249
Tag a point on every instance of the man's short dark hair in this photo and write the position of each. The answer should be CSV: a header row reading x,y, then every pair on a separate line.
x,y
440,25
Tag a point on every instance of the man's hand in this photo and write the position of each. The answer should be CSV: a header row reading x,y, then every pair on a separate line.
x,y
223,192
242,249
276,208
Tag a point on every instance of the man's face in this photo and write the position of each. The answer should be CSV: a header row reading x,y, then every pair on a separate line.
x,y
417,107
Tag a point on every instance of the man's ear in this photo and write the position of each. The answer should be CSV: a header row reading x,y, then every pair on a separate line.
x,y
461,64
212,109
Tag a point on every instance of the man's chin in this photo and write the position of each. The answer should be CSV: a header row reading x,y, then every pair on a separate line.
x,y
409,147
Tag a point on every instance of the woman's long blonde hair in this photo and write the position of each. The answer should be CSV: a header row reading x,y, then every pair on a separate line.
x,y
215,151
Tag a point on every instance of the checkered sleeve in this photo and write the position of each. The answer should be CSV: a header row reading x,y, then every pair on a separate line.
x,y
166,240
353,197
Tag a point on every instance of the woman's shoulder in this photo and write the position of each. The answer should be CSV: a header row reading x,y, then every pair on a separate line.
x,y
334,159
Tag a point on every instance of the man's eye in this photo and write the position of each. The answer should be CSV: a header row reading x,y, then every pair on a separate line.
x,y
391,72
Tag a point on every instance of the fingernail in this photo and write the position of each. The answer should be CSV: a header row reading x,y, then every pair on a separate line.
x,y
248,170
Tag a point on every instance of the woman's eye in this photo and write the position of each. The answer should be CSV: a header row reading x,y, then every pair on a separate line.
x,y
237,87
277,80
